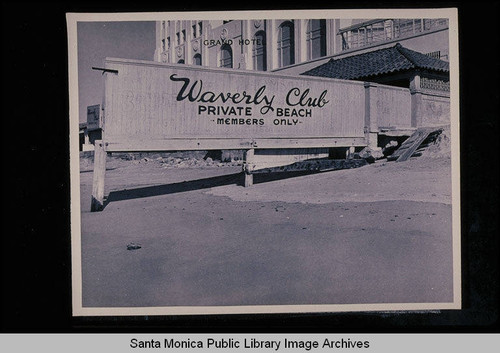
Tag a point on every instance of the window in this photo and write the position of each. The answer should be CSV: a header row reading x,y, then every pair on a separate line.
x,y
178,38
196,30
403,27
286,44
183,37
260,52
417,25
316,39
226,56
181,61
226,21
197,59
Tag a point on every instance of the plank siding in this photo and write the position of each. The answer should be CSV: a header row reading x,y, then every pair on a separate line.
x,y
141,106
393,107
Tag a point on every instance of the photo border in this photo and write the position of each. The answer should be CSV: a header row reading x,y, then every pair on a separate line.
x,y
78,310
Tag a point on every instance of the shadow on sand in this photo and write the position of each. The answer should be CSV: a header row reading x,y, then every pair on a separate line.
x,y
198,184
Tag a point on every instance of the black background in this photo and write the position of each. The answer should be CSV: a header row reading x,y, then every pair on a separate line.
x,y
35,243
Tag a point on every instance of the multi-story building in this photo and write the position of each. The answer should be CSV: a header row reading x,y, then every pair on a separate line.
x,y
411,54
290,45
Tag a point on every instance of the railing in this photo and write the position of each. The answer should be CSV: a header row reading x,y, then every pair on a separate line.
x,y
434,54
434,84
376,31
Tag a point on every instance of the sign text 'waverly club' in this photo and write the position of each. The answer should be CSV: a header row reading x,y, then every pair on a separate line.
x,y
250,107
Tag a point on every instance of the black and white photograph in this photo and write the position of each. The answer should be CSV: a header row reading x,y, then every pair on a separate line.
x,y
264,162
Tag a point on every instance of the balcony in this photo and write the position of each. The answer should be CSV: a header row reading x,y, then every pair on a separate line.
x,y
377,31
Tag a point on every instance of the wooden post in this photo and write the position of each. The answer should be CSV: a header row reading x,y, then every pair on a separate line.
x,y
349,154
416,101
249,159
97,202
371,114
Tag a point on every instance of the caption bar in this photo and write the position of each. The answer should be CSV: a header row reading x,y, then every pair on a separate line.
x,y
248,343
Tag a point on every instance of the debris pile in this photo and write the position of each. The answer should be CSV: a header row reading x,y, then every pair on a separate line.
x,y
175,162
390,147
133,246
371,154
437,146
187,159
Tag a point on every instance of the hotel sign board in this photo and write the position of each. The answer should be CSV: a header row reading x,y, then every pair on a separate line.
x,y
152,106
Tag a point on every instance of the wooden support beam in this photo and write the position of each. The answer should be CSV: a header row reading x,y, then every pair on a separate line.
x,y
349,154
97,202
248,167
371,114
408,147
131,144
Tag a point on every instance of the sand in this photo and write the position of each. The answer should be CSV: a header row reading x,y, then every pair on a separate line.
x,y
380,233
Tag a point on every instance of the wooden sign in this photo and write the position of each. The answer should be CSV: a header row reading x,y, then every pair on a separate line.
x,y
156,106
150,106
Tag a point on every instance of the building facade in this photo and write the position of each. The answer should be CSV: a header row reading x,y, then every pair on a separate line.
x,y
291,46
411,54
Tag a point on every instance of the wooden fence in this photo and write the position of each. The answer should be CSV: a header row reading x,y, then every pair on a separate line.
x,y
150,106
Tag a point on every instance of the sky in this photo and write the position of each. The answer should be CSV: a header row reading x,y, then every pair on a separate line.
x,y
97,40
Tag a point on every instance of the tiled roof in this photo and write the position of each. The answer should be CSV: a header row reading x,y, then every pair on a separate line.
x,y
378,62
